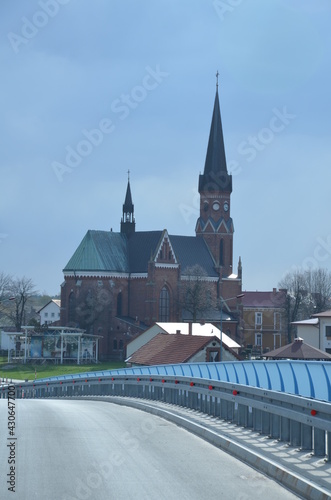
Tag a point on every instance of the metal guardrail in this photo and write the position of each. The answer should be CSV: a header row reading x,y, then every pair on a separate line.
x,y
300,421
311,379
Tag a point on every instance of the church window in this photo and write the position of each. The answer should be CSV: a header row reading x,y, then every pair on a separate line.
x,y
119,304
221,253
121,345
71,308
115,344
164,307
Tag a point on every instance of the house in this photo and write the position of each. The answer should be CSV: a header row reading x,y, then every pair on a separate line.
x,y
298,349
206,330
178,348
316,330
264,320
117,284
50,312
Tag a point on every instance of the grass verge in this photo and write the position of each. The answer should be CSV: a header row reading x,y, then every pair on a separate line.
x,y
27,371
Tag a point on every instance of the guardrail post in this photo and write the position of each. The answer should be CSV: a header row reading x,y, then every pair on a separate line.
x,y
328,437
257,420
265,429
306,437
242,415
319,442
275,426
295,433
284,429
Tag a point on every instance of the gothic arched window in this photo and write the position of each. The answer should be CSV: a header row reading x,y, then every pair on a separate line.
x,y
71,307
119,304
164,305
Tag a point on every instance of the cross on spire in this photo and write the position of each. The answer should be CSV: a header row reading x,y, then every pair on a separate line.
x,y
217,75
128,175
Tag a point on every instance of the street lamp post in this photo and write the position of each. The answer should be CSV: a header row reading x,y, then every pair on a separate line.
x,y
221,322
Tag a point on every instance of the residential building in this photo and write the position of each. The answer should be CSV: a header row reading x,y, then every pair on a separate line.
x,y
316,331
230,348
50,312
264,321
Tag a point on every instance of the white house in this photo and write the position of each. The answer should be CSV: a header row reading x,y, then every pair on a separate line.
x,y
316,331
206,330
50,312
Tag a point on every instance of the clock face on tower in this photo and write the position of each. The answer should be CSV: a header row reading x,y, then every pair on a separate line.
x,y
216,206
226,206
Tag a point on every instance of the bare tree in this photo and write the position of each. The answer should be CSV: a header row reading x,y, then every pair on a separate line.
x,y
21,289
5,280
295,285
195,293
308,292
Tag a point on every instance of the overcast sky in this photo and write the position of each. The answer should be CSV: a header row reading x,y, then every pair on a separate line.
x,y
92,89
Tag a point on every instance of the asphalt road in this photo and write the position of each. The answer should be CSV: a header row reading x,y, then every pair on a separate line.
x,y
81,450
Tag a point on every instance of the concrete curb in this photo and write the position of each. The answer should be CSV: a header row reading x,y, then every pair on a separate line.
x,y
292,481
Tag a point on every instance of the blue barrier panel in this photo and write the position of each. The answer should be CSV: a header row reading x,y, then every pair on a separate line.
x,y
287,376
251,374
262,374
231,372
320,380
304,381
241,374
274,376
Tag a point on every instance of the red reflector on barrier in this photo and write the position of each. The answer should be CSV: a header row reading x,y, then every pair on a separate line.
x,y
235,392
210,387
151,380
138,379
313,413
163,381
100,379
112,378
86,380
176,382
60,383
46,384
73,381
191,384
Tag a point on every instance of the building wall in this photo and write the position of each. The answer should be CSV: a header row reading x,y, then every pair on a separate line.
x,y
310,335
325,334
264,328
50,313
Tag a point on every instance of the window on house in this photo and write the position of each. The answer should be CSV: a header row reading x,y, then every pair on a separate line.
x,y
258,339
52,315
258,319
46,315
277,321
115,344
328,331
121,345
164,308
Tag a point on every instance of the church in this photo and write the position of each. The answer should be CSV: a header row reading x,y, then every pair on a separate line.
x,y
117,284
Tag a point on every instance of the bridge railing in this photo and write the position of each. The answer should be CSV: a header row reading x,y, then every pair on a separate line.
x,y
300,421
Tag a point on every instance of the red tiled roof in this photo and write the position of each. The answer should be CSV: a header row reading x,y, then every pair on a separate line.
x,y
264,299
170,349
298,350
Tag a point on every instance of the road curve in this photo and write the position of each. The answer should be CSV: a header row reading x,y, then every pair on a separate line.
x,y
81,450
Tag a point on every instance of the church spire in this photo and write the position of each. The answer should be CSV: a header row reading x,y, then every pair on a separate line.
x,y
215,176
128,222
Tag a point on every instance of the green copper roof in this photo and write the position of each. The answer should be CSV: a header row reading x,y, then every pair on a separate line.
x,y
100,251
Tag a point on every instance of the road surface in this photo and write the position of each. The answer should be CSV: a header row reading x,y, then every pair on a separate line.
x,y
81,450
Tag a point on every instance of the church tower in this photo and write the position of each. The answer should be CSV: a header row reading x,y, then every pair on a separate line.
x,y
128,223
215,186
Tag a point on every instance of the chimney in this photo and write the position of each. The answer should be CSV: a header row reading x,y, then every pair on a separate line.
x,y
190,328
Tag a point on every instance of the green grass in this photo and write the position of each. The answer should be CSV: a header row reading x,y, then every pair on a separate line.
x,y
27,371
